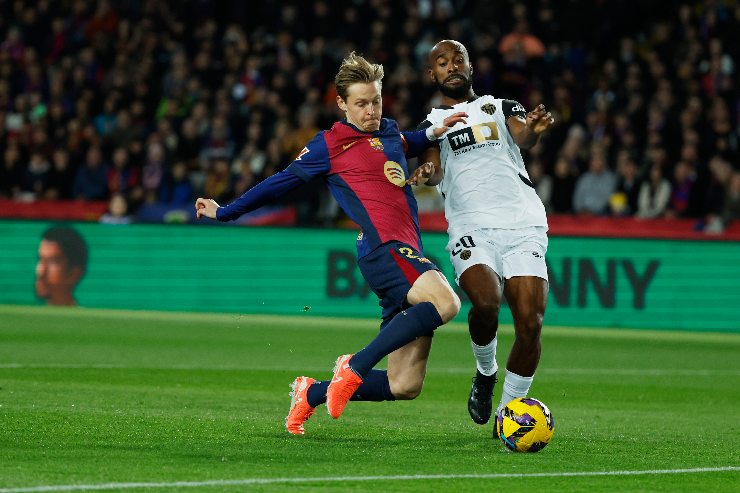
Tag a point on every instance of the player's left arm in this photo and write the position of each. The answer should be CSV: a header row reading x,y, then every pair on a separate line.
x,y
526,128
419,141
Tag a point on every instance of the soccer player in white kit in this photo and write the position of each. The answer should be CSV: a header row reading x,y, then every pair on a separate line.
x,y
497,224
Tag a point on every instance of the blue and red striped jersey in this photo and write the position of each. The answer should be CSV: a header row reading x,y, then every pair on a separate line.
x,y
365,172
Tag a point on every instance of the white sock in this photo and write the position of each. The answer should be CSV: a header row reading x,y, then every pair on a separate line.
x,y
514,386
485,357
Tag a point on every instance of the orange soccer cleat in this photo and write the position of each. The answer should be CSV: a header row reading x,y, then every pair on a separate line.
x,y
300,410
343,385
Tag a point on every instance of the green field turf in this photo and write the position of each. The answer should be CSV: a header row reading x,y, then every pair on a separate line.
x,y
145,401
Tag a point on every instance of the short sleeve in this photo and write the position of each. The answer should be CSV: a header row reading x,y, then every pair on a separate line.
x,y
513,108
424,125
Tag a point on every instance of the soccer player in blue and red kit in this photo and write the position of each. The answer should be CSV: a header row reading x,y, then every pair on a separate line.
x,y
363,161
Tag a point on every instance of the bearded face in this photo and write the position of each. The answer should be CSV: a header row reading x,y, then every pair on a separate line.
x,y
456,86
450,69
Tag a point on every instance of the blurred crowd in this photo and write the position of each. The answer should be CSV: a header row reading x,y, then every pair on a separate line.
x,y
154,102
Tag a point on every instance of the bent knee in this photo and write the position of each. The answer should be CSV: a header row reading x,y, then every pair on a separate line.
x,y
433,287
406,387
407,393
448,306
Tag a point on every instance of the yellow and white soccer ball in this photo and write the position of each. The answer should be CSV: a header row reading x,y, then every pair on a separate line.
x,y
524,425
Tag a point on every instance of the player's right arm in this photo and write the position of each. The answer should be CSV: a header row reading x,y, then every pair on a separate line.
x,y
312,161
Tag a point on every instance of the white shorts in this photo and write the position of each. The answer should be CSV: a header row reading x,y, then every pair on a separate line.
x,y
509,252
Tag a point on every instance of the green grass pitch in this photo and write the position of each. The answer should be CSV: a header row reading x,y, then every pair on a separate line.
x,y
100,400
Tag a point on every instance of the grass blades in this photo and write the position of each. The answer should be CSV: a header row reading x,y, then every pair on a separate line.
x,y
92,397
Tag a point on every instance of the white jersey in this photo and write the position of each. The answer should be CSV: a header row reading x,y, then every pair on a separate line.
x,y
485,183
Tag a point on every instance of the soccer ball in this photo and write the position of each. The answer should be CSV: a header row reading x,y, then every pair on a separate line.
x,y
524,425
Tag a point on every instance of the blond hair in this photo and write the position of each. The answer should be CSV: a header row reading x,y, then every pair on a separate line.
x,y
356,69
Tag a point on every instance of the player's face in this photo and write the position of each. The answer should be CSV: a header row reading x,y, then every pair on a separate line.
x,y
55,280
450,69
364,105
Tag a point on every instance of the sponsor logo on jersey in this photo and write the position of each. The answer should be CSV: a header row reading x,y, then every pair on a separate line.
x,y
518,108
347,146
461,138
465,254
376,144
303,152
477,134
488,108
395,174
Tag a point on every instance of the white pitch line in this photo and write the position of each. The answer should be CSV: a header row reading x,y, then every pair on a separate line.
x,y
562,371
348,479
614,371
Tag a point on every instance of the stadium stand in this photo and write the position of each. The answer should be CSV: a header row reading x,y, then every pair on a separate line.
x,y
156,102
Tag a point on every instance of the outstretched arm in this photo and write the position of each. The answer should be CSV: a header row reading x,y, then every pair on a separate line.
x,y
263,193
312,161
526,131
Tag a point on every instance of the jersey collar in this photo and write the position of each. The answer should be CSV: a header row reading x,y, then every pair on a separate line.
x,y
448,107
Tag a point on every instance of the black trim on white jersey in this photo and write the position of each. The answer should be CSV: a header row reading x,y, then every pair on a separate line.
x,y
424,125
526,180
513,108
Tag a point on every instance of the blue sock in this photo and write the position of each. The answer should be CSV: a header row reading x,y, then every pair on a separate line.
x,y
317,393
419,320
375,387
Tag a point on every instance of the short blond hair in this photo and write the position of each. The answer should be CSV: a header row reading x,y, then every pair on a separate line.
x,y
356,69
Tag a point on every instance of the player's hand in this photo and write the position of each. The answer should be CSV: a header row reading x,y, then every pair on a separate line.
x,y
539,119
421,174
448,122
205,208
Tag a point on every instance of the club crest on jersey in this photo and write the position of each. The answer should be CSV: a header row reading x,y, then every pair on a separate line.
x,y
376,144
395,174
488,108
